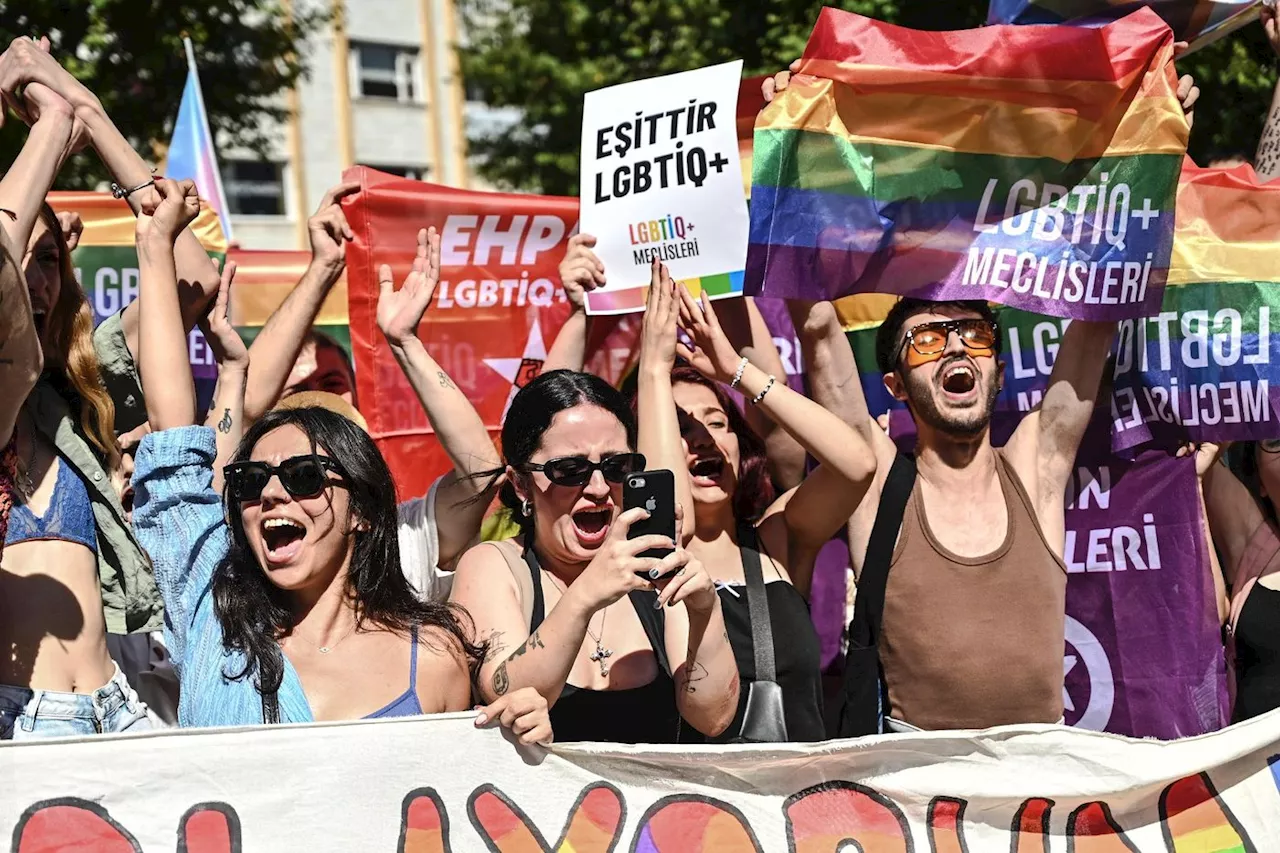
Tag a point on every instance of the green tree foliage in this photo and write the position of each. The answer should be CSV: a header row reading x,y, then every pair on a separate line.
x,y
543,55
130,53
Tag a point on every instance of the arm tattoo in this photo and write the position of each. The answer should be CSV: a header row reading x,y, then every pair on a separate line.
x,y
224,425
1268,157
494,645
500,680
693,673
445,381
534,642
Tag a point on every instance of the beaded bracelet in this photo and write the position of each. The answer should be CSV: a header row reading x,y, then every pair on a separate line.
x,y
737,377
767,386
120,192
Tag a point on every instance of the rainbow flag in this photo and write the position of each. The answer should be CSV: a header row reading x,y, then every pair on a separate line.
x,y
1206,366
191,151
1199,22
1032,166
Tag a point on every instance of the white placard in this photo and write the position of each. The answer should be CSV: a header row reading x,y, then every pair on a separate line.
x,y
661,177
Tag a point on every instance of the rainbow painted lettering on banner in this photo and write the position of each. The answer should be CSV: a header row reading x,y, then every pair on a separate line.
x,y
1048,186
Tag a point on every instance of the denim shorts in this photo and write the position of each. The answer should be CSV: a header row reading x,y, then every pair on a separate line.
x,y
27,714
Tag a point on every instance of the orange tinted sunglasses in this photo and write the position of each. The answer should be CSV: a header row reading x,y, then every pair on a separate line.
x,y
928,341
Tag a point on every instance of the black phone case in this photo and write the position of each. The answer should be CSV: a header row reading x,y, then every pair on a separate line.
x,y
658,495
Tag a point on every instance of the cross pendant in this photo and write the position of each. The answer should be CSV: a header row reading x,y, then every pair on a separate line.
x,y
599,656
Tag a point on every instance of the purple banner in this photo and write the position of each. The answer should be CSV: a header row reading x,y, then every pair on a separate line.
x,y
1144,650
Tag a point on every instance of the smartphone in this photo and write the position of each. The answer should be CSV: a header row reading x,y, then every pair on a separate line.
x,y
655,491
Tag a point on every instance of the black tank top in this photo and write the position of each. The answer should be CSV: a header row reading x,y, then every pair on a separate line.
x,y
797,653
645,714
1258,654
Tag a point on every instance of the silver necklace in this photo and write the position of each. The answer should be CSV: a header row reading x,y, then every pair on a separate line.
x,y
324,650
602,654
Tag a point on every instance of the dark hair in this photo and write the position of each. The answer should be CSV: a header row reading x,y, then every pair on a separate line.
x,y
253,612
321,340
889,335
531,413
1242,458
754,492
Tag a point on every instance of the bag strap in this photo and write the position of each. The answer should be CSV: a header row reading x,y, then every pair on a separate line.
x,y
884,539
758,605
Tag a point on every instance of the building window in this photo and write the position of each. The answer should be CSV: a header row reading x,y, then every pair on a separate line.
x,y
413,173
474,92
254,187
385,71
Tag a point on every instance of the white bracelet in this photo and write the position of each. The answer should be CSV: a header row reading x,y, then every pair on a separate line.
x,y
737,377
767,386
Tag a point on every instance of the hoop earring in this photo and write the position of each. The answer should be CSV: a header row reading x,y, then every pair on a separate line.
x,y
524,508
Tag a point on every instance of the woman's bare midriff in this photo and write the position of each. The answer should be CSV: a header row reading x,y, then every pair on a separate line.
x,y
53,635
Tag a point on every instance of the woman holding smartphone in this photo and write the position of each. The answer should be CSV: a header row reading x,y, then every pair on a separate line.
x,y
621,645
689,423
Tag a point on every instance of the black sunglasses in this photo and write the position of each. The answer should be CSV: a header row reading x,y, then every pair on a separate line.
x,y
301,476
577,470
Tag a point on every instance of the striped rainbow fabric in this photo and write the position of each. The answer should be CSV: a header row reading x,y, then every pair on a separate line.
x,y
1198,22
1206,367
896,154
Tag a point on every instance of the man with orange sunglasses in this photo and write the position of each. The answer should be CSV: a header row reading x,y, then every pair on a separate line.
x,y
960,612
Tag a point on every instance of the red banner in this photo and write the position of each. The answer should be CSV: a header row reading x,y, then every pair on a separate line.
x,y
495,313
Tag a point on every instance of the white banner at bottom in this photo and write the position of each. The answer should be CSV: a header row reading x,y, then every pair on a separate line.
x,y
437,784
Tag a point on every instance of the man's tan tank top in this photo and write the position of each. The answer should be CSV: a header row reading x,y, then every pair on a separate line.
x,y
969,643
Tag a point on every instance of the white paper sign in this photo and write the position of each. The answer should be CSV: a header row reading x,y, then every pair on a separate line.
x,y
439,785
661,178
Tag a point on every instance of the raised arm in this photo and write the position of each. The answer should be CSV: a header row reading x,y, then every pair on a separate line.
x,y
167,383
1232,513
702,662
1043,447
1267,161
827,497
195,271
660,439
276,347
457,425
179,521
226,414
580,272
1206,456
25,183
749,334
21,358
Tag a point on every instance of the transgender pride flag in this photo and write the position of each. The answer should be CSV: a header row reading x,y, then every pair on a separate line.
x,y
191,151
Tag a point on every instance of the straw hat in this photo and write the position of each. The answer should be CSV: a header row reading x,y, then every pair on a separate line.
x,y
324,400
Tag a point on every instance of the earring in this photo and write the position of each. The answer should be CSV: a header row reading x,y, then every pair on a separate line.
x,y
524,508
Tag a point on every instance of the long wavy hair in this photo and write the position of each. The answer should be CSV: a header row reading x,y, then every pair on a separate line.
x,y
254,613
754,492
530,415
69,358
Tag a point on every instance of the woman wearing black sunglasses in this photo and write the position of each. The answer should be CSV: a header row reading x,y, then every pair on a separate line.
x,y
569,607
287,604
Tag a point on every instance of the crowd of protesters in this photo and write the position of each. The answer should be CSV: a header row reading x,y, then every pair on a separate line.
x,y
266,543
